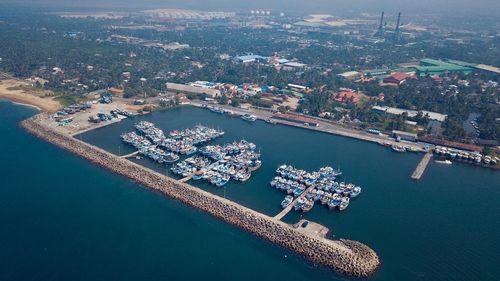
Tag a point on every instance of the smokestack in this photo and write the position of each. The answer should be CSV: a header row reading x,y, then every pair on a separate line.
x,y
381,21
399,19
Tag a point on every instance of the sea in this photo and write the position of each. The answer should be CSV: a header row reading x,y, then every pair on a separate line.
x,y
63,218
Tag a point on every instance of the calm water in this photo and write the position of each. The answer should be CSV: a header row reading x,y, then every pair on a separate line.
x,y
65,219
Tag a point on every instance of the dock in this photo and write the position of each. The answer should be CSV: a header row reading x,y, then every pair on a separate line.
x,y
186,178
419,171
130,155
290,206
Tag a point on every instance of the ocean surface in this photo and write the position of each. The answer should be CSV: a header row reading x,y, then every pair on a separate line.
x,y
63,218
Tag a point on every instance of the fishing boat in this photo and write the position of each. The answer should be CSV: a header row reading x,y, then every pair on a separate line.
x,y
398,148
217,110
270,121
355,192
198,174
249,117
287,201
344,202
307,206
255,165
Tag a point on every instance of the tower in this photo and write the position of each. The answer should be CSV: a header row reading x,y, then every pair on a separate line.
x,y
381,27
397,31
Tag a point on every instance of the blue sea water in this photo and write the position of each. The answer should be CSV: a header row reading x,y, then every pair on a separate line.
x,y
63,218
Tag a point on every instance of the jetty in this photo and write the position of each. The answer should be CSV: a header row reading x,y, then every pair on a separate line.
x,y
186,178
130,155
419,171
288,208
348,257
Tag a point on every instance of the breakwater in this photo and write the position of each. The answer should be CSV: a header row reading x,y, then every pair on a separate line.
x,y
344,256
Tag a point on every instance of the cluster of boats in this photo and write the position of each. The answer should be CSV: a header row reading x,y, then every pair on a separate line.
x,y
219,164
311,187
147,148
472,157
152,142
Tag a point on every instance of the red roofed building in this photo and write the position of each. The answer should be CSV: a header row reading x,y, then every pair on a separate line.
x,y
348,97
397,78
116,91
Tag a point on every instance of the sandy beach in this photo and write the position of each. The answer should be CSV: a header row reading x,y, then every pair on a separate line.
x,y
10,89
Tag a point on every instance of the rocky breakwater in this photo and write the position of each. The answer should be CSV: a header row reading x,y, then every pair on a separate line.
x,y
348,257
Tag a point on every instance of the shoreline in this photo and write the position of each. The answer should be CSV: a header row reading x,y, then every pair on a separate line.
x,y
11,90
347,257
21,103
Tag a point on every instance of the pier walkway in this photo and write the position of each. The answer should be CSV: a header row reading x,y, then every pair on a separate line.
x,y
130,155
186,178
289,207
419,171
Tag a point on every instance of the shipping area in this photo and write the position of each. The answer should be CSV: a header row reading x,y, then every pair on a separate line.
x,y
191,157
199,155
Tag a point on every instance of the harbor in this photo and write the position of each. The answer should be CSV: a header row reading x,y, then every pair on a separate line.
x,y
387,209
344,256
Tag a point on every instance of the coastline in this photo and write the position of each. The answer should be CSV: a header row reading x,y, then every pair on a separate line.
x,y
8,91
21,103
348,257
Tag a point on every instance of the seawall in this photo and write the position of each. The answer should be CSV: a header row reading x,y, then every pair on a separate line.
x,y
347,257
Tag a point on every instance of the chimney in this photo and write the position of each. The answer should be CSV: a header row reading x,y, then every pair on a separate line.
x,y
381,21
399,19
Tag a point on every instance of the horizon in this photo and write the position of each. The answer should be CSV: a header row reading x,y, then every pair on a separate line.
x,y
445,7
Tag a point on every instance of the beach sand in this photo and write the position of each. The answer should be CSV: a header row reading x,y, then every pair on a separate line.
x,y
10,90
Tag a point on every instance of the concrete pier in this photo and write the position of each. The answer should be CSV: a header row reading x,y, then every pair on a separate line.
x,y
130,155
419,171
285,211
186,178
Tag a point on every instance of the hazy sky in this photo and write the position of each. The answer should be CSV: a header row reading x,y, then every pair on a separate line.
x,y
331,6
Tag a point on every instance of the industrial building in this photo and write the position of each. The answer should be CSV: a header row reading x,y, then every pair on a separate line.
x,y
249,58
411,113
182,88
400,135
438,67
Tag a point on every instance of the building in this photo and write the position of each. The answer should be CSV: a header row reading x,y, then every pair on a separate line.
x,y
182,88
438,67
293,66
297,87
400,135
349,75
452,144
249,58
116,91
411,113
397,78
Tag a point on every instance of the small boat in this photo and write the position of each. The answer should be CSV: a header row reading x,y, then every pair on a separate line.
x,y
270,121
307,205
287,201
255,165
198,175
398,148
355,191
446,162
249,117
344,202
217,110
